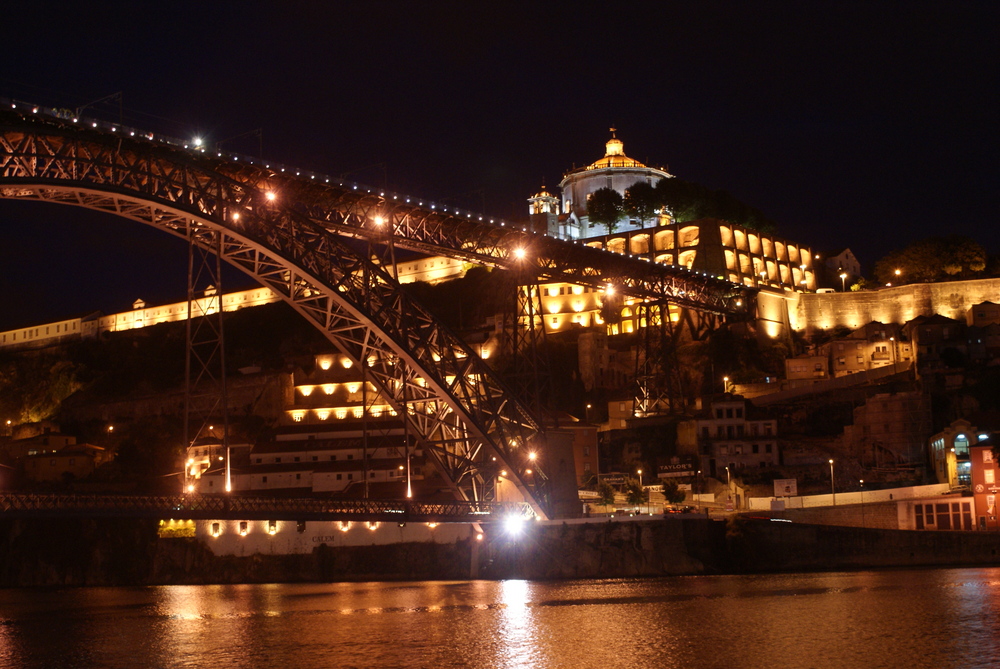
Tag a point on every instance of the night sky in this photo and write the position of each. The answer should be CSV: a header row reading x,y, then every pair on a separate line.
x,y
868,125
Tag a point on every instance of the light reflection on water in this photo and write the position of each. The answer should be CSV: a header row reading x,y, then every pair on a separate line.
x,y
919,618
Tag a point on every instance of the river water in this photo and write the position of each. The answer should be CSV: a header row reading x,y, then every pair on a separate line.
x,y
914,618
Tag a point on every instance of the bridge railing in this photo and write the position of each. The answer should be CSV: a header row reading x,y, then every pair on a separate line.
x,y
252,508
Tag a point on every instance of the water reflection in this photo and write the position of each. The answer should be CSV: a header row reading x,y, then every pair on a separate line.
x,y
517,636
864,619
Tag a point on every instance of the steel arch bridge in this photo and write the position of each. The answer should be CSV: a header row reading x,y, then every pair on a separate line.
x,y
326,249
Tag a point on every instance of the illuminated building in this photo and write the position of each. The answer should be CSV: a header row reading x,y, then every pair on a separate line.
x,y
616,171
985,484
336,432
712,247
949,453
729,437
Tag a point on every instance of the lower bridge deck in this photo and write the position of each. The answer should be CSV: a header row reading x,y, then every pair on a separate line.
x,y
231,507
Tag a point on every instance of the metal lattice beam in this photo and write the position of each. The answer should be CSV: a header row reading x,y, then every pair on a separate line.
x,y
293,235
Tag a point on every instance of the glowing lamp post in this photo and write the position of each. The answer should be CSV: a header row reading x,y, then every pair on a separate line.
x,y
843,282
833,492
639,472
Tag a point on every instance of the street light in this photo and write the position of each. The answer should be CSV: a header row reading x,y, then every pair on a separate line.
x,y
843,280
833,492
639,471
725,384
862,484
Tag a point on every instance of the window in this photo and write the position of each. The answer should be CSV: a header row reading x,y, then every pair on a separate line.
x,y
277,460
704,432
298,477
586,466
586,450
767,448
756,448
739,412
718,413
263,479
340,476
296,458
943,517
260,460
768,428
729,412
315,458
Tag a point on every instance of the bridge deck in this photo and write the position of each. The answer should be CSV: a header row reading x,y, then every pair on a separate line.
x,y
226,507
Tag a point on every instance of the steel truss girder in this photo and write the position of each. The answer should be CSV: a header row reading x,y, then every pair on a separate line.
x,y
457,408
197,507
547,258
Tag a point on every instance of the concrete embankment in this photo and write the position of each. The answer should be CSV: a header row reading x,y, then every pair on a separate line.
x,y
128,552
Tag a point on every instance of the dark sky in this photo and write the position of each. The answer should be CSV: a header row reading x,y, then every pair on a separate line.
x,y
867,125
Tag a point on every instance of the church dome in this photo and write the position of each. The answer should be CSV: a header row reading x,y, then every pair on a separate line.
x,y
614,156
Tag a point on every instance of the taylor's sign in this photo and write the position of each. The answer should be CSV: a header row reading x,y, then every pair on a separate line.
x,y
676,471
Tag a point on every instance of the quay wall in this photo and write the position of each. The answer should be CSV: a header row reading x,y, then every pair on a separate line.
x,y
91,552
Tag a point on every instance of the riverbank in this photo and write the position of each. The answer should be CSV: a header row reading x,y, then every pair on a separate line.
x,y
78,552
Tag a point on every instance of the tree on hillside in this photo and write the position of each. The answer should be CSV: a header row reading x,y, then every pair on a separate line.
x,y
673,493
933,259
641,202
605,206
687,201
635,494
606,492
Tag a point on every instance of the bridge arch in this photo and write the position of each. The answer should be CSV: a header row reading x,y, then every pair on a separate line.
x,y
281,232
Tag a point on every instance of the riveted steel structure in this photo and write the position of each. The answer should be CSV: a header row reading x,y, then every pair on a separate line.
x,y
292,232
196,507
